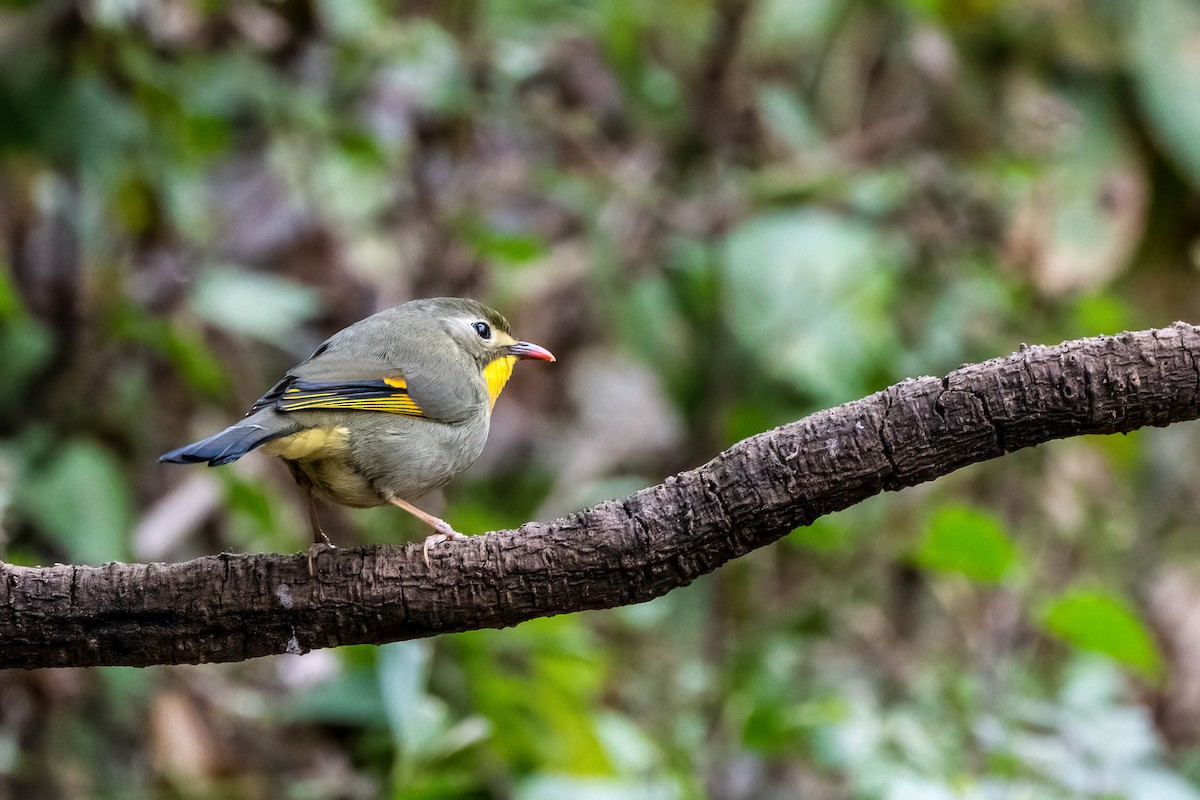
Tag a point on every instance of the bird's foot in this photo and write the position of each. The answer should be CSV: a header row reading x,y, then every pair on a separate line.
x,y
442,533
315,549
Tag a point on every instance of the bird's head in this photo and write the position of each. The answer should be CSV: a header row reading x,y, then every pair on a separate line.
x,y
484,335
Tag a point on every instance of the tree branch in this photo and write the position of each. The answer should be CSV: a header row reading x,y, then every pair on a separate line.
x,y
234,607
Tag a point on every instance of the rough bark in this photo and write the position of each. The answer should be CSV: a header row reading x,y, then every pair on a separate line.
x,y
233,607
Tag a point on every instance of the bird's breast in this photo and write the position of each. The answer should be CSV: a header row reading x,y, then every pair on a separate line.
x,y
410,465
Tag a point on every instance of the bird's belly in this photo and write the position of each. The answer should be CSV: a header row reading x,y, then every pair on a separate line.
x,y
408,466
338,479
395,457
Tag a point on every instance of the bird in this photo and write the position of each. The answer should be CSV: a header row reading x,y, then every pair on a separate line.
x,y
383,411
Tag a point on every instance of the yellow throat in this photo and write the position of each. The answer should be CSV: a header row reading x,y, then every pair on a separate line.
x,y
495,375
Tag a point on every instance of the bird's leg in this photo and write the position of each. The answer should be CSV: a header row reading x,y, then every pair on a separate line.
x,y
442,530
320,540
319,536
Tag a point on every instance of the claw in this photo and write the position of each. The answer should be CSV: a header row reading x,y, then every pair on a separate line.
x,y
444,533
442,530
314,550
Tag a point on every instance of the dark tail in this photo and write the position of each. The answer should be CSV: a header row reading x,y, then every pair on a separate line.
x,y
231,443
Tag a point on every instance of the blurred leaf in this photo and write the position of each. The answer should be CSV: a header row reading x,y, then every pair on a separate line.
x,y
419,721
629,748
183,348
784,271
693,276
967,541
10,300
350,19
424,67
80,498
361,146
755,412
506,248
79,120
247,497
351,697
254,304
1101,313
779,27
128,691
780,728
352,191
1168,76
653,326
26,346
880,192
1103,623
823,535
787,117
264,515
535,683
1079,220
964,320
555,787
133,204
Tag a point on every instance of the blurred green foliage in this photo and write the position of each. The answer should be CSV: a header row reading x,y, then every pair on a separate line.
x,y
1096,620
969,542
721,215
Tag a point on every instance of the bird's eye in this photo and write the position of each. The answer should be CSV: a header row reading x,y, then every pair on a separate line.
x,y
483,330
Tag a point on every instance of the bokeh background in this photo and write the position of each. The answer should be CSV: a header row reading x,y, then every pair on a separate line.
x,y
721,216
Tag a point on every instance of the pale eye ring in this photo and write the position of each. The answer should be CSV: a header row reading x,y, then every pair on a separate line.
x,y
483,330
